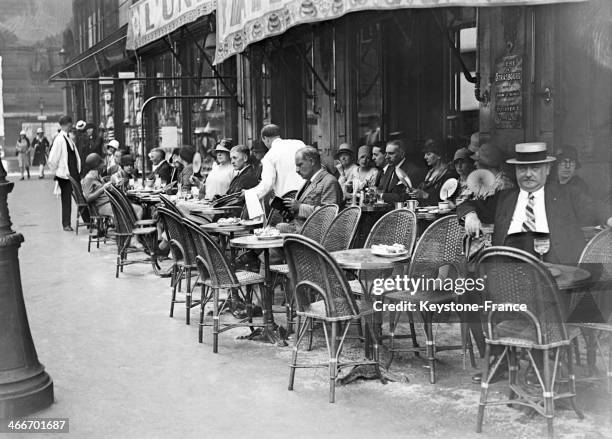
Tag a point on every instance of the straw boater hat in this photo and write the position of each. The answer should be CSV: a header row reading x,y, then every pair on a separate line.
x,y
530,153
39,131
80,125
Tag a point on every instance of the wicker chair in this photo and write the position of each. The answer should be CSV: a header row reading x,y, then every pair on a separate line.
x,y
313,270
597,251
170,205
125,230
97,225
513,276
398,226
315,226
342,230
438,254
184,257
129,210
216,274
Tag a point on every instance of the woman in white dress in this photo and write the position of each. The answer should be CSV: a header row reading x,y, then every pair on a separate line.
x,y
218,181
365,174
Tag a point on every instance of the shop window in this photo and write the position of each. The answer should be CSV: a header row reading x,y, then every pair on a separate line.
x,y
369,84
465,90
132,103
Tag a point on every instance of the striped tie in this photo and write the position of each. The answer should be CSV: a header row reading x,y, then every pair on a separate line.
x,y
529,224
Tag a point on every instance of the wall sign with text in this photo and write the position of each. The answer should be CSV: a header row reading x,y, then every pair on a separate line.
x,y
509,92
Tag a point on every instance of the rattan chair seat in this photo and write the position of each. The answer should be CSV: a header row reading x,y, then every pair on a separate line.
x,y
144,230
316,310
145,222
243,277
280,268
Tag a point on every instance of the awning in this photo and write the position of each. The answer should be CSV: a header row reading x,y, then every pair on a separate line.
x,y
151,20
243,22
99,57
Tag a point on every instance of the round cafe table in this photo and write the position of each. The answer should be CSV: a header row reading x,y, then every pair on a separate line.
x,y
369,266
271,333
229,230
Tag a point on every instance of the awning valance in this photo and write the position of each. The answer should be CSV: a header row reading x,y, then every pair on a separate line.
x,y
151,20
243,22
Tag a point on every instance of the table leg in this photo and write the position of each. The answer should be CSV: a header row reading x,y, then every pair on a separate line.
x,y
271,333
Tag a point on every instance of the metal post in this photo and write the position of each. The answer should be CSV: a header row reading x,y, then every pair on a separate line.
x,y
25,387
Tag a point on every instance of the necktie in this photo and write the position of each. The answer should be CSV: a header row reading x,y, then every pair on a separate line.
x,y
301,192
529,225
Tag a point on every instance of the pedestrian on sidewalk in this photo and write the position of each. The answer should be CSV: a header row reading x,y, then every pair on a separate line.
x,y
64,160
23,153
41,151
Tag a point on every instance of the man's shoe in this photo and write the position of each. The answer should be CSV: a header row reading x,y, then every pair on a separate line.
x,y
40,177
68,229
21,179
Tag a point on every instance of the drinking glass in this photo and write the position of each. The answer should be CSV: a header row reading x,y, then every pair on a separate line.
x,y
379,197
541,245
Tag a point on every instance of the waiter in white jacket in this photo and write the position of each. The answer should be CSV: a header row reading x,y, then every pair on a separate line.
x,y
64,160
278,165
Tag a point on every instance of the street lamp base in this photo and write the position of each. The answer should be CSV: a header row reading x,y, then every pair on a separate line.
x,y
22,398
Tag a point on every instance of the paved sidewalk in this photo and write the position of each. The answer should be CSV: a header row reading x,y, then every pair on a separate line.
x,y
123,369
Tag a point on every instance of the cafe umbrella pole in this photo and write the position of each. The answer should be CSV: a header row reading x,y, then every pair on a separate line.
x,y
25,387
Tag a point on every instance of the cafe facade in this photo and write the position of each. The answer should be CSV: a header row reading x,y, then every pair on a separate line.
x,y
361,71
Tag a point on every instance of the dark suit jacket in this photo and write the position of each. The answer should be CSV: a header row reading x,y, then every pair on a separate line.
x,y
565,212
324,189
164,171
390,184
247,179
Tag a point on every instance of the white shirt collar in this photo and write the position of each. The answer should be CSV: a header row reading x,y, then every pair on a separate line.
x,y
539,209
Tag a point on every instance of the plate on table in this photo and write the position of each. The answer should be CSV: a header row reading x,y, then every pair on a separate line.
x,y
389,251
228,222
251,222
268,237
267,233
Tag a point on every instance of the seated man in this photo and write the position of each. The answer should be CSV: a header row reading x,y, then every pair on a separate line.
x,y
390,183
93,185
161,168
320,188
536,207
246,175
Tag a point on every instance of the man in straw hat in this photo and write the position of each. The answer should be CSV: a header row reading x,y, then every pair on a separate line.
x,y
534,208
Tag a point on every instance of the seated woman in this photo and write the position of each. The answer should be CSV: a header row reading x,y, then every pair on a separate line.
x,y
218,181
464,164
126,172
366,173
428,192
566,166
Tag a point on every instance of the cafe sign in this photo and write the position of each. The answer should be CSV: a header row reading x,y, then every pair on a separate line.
x,y
243,22
151,20
508,86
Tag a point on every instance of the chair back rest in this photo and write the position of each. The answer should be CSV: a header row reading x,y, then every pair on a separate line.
x,y
398,226
125,203
77,192
597,259
440,245
216,264
317,224
342,230
173,224
513,276
170,205
123,224
312,269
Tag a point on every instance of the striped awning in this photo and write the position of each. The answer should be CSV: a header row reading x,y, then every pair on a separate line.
x,y
151,20
243,22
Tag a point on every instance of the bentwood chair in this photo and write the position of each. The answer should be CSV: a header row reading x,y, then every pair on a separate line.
x,y
513,276
314,272
597,252
125,230
216,274
315,227
437,255
342,230
184,259
129,210
97,225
